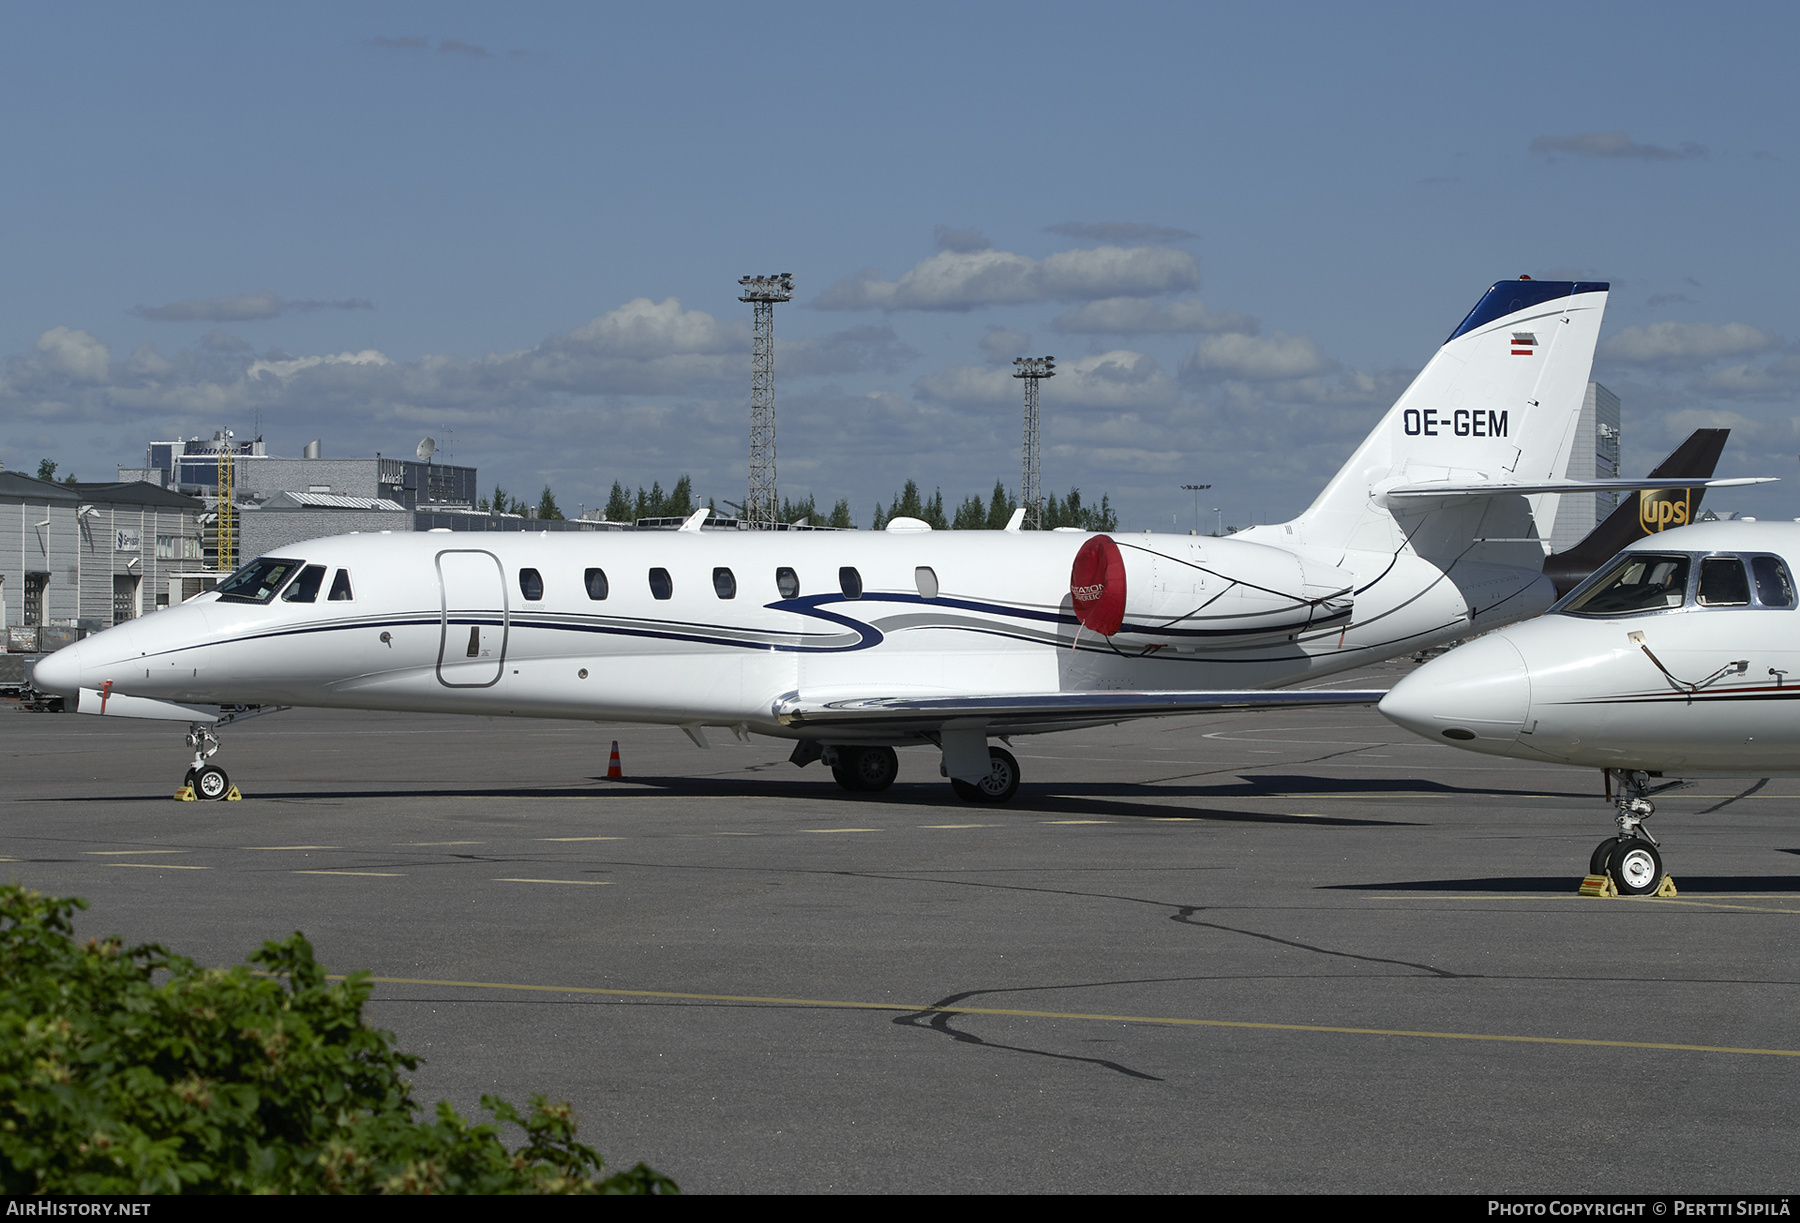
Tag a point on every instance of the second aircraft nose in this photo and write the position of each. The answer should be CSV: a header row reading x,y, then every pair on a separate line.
x,y
1477,693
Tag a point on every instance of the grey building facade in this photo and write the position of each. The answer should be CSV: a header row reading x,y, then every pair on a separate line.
x,y
1595,457
94,554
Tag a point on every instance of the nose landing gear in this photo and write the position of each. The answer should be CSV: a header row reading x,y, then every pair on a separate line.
x,y
204,780
1632,859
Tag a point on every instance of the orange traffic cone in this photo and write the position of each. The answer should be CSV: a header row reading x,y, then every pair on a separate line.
x,y
613,771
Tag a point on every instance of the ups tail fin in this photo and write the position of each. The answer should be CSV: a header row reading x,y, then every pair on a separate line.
x,y
1498,402
1644,512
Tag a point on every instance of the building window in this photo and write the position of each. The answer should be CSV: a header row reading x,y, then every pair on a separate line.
x,y
531,585
661,586
850,582
788,583
724,584
595,580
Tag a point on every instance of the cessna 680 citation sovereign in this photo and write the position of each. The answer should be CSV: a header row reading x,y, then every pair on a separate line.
x,y
853,643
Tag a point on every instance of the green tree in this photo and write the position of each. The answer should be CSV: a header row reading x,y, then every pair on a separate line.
x,y
801,511
840,516
1000,508
263,1078
618,504
502,503
546,506
46,469
971,515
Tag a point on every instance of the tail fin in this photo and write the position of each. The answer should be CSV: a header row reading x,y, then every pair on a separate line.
x,y
1499,402
1649,511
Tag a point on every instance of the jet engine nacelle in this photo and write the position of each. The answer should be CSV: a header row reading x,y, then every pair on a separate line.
x,y
1203,595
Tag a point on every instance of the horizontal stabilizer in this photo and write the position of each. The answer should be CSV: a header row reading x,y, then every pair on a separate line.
x,y
1444,490
1045,710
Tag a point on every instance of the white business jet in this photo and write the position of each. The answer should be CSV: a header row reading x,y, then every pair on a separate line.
x,y
853,643
1669,663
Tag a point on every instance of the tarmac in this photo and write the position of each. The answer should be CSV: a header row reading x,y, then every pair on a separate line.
x,y
1291,952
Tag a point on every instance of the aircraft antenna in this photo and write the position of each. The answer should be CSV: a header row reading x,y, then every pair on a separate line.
x,y
1031,491
761,508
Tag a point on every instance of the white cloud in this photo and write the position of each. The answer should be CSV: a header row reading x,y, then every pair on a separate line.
x,y
289,367
963,280
1003,345
962,240
74,354
1673,345
1779,379
245,307
1255,358
1140,316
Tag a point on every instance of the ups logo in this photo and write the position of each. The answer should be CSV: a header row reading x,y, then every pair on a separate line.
x,y
1662,508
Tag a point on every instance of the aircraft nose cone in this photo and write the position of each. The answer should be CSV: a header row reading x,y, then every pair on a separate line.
x,y
1478,694
59,673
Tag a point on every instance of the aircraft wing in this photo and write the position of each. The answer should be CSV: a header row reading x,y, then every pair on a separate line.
x,y
1045,710
1445,490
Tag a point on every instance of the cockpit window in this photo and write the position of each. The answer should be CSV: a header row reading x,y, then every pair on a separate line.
x,y
305,588
1722,583
1774,584
258,581
1637,582
340,587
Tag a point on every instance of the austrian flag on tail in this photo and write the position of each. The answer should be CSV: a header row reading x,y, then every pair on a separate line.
x,y
1522,343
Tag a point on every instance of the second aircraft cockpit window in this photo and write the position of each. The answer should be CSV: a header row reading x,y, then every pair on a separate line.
x,y
258,581
305,588
1641,582
340,587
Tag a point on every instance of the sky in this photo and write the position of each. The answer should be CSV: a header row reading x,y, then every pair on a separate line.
x,y
1240,229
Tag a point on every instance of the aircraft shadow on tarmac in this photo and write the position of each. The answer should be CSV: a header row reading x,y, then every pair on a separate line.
x,y
1687,884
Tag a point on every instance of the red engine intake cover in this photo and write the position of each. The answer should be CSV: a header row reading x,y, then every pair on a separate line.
x,y
1097,585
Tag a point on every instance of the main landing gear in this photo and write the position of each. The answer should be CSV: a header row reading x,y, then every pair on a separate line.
x,y
1633,858
207,781
869,770
863,770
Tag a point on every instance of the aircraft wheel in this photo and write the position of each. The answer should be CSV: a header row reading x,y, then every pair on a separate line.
x,y
875,768
848,768
211,782
1636,867
1001,783
1602,855
188,779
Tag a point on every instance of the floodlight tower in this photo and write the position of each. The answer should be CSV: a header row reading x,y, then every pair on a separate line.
x,y
225,506
761,508
1031,492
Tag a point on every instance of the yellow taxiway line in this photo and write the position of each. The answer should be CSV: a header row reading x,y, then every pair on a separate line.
x,y
927,1009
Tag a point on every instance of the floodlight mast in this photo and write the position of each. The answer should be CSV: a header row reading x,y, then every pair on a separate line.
x,y
1031,492
761,507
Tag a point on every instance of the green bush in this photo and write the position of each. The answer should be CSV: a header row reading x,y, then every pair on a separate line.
x,y
260,1079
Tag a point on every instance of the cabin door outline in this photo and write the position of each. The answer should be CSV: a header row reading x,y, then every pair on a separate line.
x,y
476,618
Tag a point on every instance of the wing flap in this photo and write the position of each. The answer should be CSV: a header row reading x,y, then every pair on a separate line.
x,y
1044,710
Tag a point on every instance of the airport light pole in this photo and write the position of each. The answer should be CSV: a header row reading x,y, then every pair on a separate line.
x,y
1195,489
761,507
1031,492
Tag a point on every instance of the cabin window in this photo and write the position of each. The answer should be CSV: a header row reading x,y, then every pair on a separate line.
x,y
1639,582
850,582
925,578
340,587
531,585
661,586
305,588
788,583
1722,582
258,581
1774,584
724,584
595,581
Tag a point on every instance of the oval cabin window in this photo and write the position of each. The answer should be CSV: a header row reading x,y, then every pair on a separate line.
x,y
788,583
661,585
850,582
724,584
925,578
595,581
531,585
